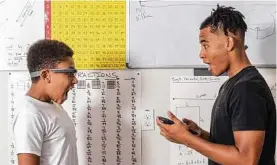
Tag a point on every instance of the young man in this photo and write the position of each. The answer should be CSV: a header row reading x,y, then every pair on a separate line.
x,y
243,119
44,133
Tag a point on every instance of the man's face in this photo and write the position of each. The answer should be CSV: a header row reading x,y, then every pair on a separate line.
x,y
61,83
214,50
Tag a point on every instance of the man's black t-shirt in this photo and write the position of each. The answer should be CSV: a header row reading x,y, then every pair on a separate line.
x,y
245,102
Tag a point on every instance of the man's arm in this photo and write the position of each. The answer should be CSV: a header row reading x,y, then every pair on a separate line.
x,y
28,159
247,149
205,135
195,128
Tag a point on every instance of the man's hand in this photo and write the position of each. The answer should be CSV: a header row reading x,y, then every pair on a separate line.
x,y
176,132
193,127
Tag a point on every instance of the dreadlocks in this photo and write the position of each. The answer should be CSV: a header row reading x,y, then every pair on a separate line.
x,y
227,19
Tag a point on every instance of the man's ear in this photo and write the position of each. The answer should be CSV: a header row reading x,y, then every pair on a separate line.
x,y
230,43
45,76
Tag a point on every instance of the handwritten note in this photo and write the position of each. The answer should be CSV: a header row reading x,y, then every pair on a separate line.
x,y
17,31
96,30
104,107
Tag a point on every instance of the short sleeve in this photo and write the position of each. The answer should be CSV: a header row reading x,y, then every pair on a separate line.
x,y
248,109
28,133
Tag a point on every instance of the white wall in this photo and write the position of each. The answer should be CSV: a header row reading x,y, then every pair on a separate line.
x,y
155,95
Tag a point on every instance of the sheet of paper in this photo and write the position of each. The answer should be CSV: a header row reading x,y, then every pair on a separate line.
x,y
105,109
192,97
96,30
20,25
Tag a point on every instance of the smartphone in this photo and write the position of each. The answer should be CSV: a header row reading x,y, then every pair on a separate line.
x,y
170,122
165,120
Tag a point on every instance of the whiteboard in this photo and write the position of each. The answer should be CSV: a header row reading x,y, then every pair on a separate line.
x,y
105,109
20,25
165,33
193,97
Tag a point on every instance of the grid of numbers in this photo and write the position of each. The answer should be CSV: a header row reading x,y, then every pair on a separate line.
x,y
96,30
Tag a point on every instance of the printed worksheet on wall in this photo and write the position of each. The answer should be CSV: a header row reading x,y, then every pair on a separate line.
x,y
192,97
104,107
21,24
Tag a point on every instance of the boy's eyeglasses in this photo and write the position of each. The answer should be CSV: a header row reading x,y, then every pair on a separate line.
x,y
68,71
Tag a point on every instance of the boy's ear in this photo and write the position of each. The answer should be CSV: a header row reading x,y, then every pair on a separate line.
x,y
45,76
